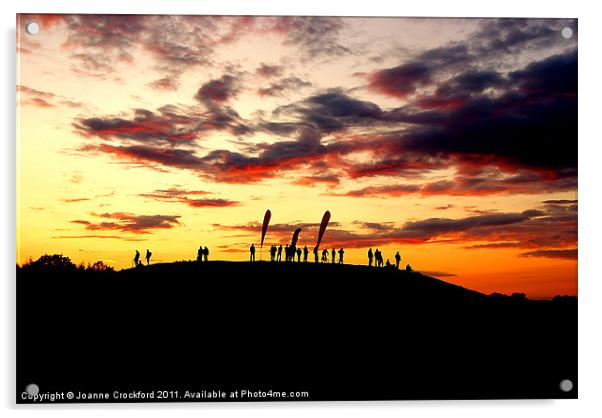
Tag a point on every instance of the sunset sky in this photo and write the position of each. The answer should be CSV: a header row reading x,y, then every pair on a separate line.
x,y
452,141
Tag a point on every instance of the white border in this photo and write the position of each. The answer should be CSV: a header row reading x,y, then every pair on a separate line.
x,y
590,233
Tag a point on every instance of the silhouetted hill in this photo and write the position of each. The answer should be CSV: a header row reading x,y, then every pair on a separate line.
x,y
336,331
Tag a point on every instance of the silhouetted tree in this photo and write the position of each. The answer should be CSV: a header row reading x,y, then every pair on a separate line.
x,y
53,262
100,267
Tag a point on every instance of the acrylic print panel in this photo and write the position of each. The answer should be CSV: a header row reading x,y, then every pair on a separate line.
x,y
229,208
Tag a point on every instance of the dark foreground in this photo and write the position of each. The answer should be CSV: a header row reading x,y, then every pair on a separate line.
x,y
334,332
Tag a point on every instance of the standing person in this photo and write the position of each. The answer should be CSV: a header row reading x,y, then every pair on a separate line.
x,y
199,254
252,251
397,260
206,254
148,256
287,253
334,255
279,253
136,258
341,253
316,253
370,257
325,255
273,253
298,255
305,254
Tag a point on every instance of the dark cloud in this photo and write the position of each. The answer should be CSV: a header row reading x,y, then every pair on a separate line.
x,y
402,80
129,222
569,253
145,125
217,91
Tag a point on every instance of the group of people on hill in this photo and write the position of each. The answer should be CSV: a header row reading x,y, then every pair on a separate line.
x,y
291,252
137,262
377,258
202,254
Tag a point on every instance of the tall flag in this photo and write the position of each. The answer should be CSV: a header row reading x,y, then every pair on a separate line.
x,y
295,237
323,225
264,228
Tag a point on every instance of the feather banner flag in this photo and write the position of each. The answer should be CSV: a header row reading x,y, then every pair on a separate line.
x,y
295,237
323,225
264,228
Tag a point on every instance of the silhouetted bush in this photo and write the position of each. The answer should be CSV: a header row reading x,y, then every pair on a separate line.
x,y
58,263
54,263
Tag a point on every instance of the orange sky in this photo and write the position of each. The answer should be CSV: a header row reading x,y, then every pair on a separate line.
x,y
452,141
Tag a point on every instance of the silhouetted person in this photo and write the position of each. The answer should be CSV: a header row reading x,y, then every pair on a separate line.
x,y
325,255
298,255
252,251
334,255
370,257
316,253
206,254
136,258
397,260
287,253
199,254
305,254
280,253
272,252
341,253
378,258
388,265
148,256
408,268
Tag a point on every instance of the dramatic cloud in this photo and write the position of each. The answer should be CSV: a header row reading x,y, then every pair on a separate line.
x,y
129,222
502,131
